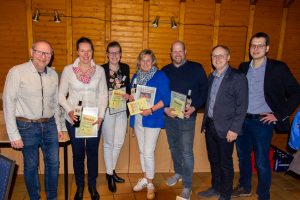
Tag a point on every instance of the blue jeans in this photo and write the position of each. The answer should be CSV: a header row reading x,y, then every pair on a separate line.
x,y
80,148
45,136
180,134
257,136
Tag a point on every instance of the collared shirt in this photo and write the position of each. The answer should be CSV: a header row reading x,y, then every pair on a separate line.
x,y
214,91
256,77
93,94
29,94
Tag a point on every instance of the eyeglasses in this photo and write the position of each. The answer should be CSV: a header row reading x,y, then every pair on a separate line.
x,y
220,56
114,53
258,46
42,53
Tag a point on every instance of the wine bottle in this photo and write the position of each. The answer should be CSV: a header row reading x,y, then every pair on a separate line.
x,y
77,113
123,80
188,100
133,89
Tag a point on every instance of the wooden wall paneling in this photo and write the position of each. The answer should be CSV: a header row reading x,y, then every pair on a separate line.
x,y
291,48
250,30
89,21
127,28
13,37
216,23
181,20
198,31
29,25
268,16
55,33
69,32
146,24
161,38
233,28
286,5
107,23
282,33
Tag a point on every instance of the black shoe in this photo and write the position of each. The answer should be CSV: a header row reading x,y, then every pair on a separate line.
x,y
111,183
117,178
94,193
210,192
79,193
239,191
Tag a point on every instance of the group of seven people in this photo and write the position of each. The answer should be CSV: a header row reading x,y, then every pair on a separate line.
x,y
242,105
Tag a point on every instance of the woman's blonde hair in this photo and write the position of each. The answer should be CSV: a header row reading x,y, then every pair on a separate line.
x,y
142,54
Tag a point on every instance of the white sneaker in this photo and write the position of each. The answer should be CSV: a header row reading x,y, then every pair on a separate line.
x,y
185,194
141,184
150,191
174,179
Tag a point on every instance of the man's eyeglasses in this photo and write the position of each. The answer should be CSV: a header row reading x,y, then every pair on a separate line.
x,y
258,46
40,53
114,53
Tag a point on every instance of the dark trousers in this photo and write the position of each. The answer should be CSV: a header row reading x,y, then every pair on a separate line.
x,y
220,157
80,148
256,136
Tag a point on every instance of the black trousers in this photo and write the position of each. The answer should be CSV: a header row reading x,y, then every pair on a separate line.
x,y
220,157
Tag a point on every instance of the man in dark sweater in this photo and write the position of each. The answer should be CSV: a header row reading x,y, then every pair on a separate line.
x,y
184,76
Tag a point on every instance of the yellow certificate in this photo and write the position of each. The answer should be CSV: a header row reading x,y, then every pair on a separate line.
x,y
116,100
86,128
177,104
178,107
136,107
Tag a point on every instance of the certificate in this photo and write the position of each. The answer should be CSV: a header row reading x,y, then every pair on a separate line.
x,y
116,101
136,107
86,128
178,104
146,92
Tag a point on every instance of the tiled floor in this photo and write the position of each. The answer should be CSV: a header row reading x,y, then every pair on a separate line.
x,y
283,188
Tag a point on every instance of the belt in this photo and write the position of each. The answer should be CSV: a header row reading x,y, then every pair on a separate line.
x,y
253,116
41,120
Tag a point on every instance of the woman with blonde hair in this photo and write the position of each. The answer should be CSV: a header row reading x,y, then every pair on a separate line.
x,y
148,124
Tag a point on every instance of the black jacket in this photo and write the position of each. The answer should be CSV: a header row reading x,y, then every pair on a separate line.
x,y
124,68
231,103
282,91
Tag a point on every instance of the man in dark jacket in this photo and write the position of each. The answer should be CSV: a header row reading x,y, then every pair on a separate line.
x,y
225,111
273,95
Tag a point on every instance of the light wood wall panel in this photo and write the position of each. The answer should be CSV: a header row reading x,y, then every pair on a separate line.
x,y
127,29
161,38
55,33
198,31
267,18
89,21
13,37
233,30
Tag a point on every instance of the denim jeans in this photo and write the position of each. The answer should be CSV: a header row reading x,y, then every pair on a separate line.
x,y
80,148
257,136
180,134
220,158
43,135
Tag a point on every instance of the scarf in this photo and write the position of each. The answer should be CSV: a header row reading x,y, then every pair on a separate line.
x,y
144,77
84,77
